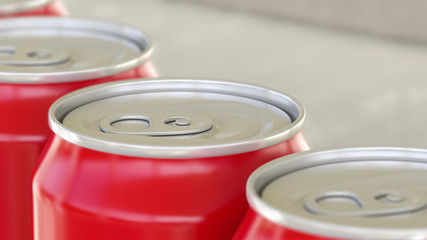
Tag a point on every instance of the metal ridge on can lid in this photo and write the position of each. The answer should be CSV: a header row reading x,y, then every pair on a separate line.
x,y
15,6
36,50
217,118
351,193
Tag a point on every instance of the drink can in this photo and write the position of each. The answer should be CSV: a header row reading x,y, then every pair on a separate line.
x,y
25,8
160,159
41,59
352,193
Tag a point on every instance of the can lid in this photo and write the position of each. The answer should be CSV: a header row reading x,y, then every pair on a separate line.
x,y
15,6
176,118
355,193
53,49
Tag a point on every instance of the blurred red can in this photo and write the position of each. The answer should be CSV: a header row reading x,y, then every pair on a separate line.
x,y
26,8
160,159
41,59
356,193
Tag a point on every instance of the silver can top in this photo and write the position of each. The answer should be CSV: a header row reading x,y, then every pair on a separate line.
x,y
355,193
176,118
52,49
16,6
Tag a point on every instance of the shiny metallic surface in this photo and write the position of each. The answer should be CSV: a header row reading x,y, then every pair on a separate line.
x,y
355,193
362,201
48,49
155,124
15,6
25,56
244,117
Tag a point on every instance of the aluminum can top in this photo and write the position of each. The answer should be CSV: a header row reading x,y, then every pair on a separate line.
x,y
37,50
176,118
353,193
15,6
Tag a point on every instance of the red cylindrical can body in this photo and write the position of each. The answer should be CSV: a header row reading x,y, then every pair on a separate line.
x,y
256,227
24,132
350,193
49,8
192,199
86,192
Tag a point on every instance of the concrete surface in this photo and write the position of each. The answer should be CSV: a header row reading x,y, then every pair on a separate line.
x,y
399,19
357,90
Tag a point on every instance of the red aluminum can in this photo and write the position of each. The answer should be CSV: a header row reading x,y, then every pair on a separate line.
x,y
26,8
355,193
42,59
161,159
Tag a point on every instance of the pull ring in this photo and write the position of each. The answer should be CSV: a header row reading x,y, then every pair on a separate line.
x,y
156,124
367,201
33,56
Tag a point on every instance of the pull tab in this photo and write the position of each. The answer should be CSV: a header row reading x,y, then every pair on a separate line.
x,y
156,124
366,202
29,56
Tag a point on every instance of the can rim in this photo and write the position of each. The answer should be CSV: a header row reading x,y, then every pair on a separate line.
x,y
132,34
72,100
16,7
312,158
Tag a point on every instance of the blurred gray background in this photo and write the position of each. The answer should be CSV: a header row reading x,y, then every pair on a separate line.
x,y
358,66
